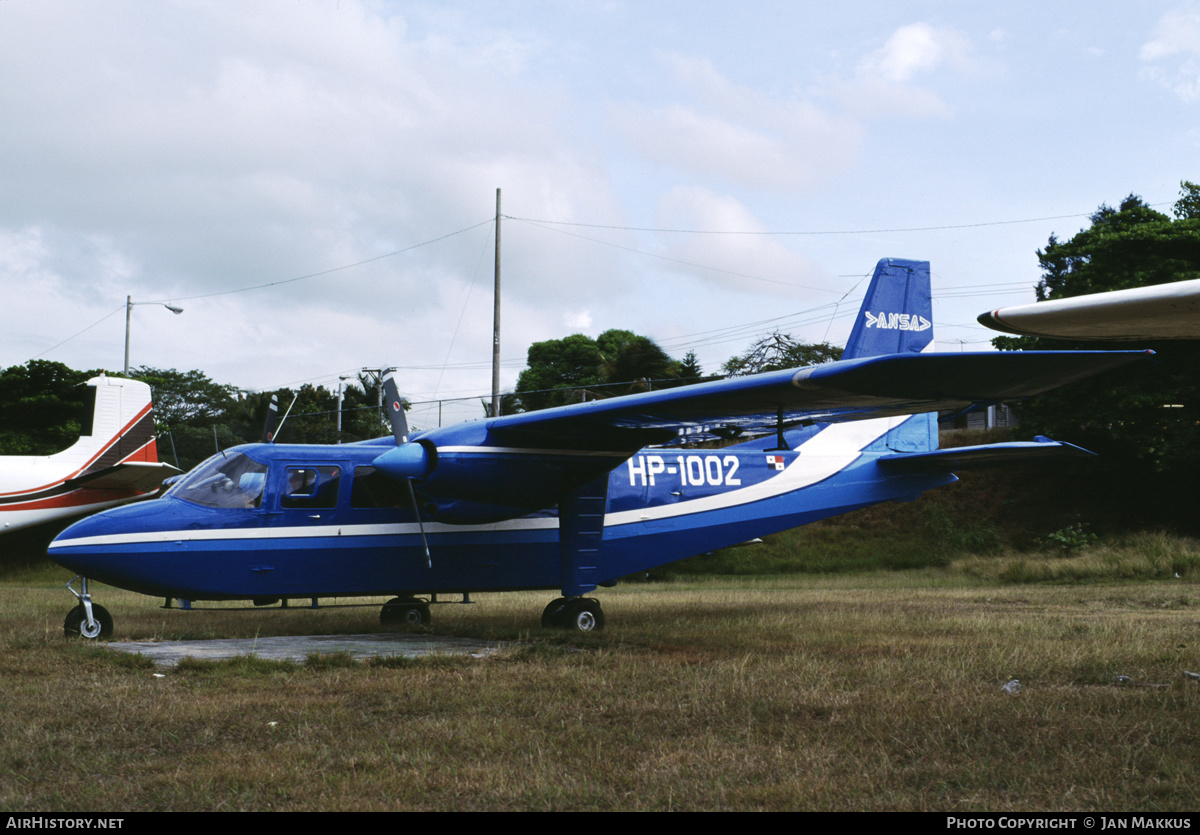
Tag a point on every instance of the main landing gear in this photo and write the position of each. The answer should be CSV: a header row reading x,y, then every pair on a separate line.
x,y
87,620
577,614
405,611
580,614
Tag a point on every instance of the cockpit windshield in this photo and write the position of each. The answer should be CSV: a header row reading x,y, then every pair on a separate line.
x,y
230,480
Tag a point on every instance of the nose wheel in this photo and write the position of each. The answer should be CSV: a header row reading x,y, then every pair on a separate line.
x,y
87,620
98,628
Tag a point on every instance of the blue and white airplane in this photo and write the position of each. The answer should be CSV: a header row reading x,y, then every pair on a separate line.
x,y
575,497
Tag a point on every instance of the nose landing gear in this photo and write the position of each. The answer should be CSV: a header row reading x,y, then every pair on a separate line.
x,y
87,620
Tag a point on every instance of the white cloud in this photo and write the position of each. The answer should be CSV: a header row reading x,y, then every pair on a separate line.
x,y
738,134
744,260
194,147
579,321
913,50
886,80
1177,36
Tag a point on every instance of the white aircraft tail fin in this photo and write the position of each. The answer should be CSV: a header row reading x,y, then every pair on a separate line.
x,y
118,427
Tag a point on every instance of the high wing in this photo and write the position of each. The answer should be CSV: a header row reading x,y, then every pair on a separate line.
x,y
509,466
897,384
1163,311
518,463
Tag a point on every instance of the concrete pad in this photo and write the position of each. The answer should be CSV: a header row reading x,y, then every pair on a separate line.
x,y
299,647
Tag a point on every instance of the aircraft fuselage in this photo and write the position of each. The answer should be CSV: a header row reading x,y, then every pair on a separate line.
x,y
317,521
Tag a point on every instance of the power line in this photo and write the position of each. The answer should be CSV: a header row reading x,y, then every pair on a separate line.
x,y
540,225
324,272
811,232
85,330
274,283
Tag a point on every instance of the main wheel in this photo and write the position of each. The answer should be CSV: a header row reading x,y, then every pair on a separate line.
x,y
552,615
583,615
76,625
402,611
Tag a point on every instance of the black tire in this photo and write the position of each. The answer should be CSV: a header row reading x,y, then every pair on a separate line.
x,y
402,611
552,615
583,615
75,626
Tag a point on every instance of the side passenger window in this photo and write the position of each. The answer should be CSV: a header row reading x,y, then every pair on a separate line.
x,y
306,487
372,489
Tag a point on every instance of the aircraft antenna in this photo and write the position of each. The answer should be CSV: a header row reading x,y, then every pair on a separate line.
x,y
285,417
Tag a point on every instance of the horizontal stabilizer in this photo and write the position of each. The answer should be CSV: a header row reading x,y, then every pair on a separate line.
x,y
983,456
142,476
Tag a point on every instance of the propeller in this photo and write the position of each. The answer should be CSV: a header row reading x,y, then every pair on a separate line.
x,y
268,433
395,408
408,460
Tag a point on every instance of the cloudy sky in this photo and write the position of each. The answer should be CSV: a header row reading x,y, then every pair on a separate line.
x,y
314,181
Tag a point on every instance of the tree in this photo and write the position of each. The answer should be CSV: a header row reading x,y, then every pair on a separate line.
x,y
1133,246
626,357
1144,420
577,367
510,404
689,368
186,397
557,369
777,352
41,407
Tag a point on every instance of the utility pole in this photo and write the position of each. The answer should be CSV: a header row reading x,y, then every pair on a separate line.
x,y
496,321
378,373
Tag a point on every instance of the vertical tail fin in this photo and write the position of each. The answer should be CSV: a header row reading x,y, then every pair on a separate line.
x,y
897,318
118,427
897,313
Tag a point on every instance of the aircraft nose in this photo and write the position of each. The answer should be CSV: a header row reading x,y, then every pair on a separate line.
x,y
121,547
93,545
78,547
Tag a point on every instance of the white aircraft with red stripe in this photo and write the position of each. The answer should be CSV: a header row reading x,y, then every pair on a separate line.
x,y
114,462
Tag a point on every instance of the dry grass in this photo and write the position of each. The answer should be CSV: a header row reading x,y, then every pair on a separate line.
x,y
880,691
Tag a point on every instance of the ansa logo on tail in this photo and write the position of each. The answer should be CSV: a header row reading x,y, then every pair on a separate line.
x,y
897,321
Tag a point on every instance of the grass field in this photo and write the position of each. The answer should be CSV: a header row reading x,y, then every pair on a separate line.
x,y
871,691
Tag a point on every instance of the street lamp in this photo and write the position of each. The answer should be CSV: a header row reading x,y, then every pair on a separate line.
x,y
129,303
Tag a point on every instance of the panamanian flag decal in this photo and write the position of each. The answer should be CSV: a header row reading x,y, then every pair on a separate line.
x,y
775,462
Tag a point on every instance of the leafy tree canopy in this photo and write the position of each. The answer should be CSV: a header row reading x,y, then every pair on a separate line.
x,y
186,397
1132,246
562,371
41,404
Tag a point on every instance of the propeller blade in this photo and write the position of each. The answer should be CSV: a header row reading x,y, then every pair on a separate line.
x,y
417,510
407,460
395,409
269,426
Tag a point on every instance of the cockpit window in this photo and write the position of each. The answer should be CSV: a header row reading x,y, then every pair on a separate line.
x,y
230,480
